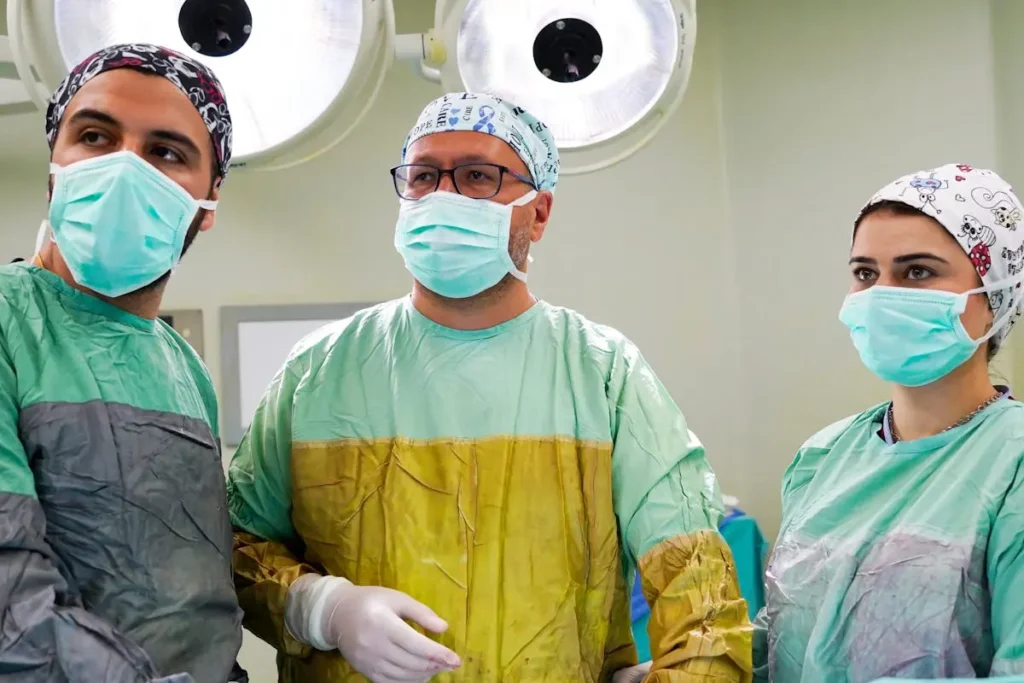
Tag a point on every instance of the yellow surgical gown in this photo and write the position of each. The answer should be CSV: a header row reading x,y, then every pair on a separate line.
x,y
512,479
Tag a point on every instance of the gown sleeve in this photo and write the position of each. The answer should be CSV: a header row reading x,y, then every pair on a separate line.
x,y
266,555
46,634
669,507
1006,578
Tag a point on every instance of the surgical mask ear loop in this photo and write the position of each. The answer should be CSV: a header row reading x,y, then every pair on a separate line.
x,y
522,201
1018,290
44,232
525,199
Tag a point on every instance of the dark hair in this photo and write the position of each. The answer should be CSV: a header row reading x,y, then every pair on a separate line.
x,y
888,206
894,208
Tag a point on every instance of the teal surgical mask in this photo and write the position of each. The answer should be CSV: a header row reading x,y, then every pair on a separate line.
x,y
913,337
456,246
120,223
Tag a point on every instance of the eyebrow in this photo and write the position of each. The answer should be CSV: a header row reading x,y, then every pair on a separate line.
x,y
94,115
466,159
97,116
905,258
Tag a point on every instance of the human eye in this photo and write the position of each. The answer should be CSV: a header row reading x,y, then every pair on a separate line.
x,y
167,154
862,274
422,176
919,273
485,173
93,138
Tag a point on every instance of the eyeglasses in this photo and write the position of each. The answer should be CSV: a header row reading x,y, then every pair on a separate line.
x,y
476,181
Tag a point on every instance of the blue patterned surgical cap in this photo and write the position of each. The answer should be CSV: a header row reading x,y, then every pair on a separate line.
x,y
461,111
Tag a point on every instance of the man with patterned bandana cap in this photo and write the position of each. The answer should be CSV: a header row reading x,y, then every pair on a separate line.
x,y
114,535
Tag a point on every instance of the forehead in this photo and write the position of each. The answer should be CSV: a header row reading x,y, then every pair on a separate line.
x,y
884,233
140,102
451,148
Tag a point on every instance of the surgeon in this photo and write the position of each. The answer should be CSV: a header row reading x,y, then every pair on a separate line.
x,y
462,482
115,541
901,552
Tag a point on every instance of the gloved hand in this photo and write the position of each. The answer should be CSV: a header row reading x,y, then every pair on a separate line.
x,y
365,624
633,674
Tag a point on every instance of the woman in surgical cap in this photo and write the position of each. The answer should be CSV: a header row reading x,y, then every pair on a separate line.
x,y
901,552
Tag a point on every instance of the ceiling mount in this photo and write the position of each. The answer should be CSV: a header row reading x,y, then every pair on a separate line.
x,y
567,50
215,28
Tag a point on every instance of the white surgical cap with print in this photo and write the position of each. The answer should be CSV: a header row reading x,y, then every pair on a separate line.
x,y
982,213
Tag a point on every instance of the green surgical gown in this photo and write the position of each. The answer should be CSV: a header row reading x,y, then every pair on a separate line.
x,y
903,560
114,535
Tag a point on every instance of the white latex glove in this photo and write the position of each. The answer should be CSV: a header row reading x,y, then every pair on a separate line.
x,y
366,624
633,674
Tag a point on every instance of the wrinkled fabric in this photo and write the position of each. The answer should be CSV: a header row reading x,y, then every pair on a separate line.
x,y
114,536
981,212
461,111
903,560
512,479
749,551
676,577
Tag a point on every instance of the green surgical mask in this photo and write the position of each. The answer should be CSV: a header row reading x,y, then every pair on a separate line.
x,y
119,222
456,246
913,337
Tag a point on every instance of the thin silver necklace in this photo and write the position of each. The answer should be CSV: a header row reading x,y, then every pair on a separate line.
x,y
959,423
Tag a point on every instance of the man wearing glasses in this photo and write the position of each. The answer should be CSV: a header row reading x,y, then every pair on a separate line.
x,y
464,481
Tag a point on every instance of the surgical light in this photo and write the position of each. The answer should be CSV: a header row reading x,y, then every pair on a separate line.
x,y
299,74
604,75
